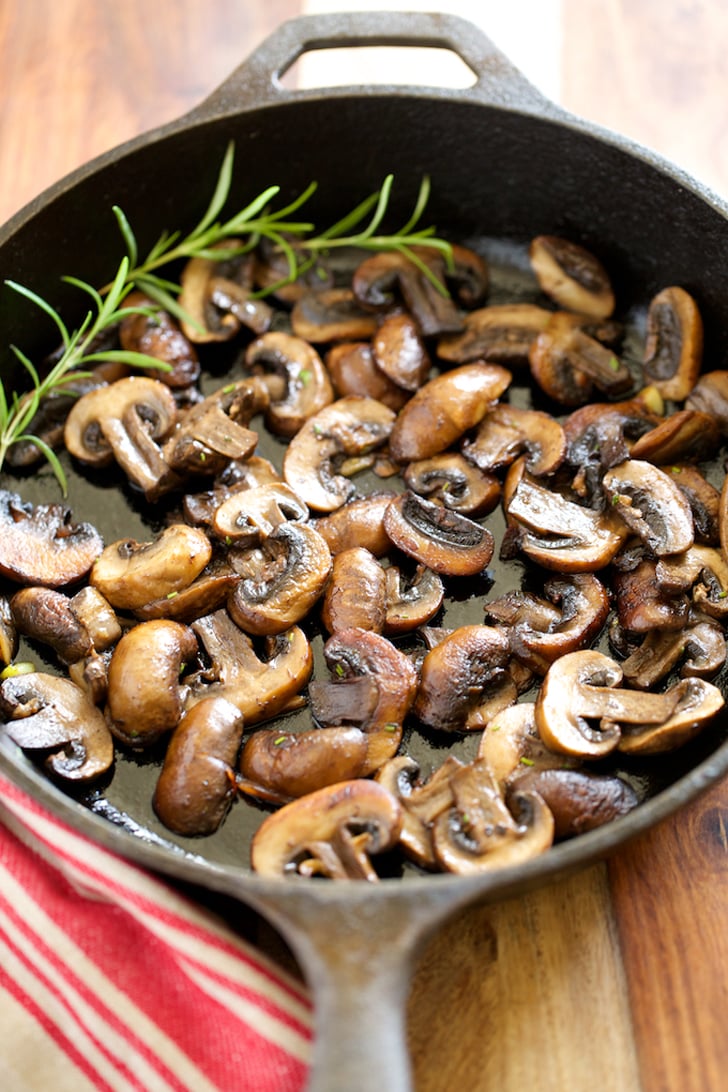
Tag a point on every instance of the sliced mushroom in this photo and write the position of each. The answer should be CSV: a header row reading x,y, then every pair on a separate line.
x,y
207,592
480,832
154,332
122,422
567,363
354,371
45,615
457,674
579,800
421,802
400,353
698,702
129,574
196,785
41,545
651,505
286,765
644,603
506,432
334,314
215,430
216,295
356,594
382,280
411,601
501,333
687,434
511,745
444,541
571,276
359,522
281,579
444,409
674,343
700,646
8,632
296,367
349,427
331,833
704,501
48,713
454,482
710,395
251,515
145,697
260,688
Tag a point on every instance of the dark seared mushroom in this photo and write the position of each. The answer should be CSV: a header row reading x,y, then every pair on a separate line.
x,y
444,541
710,395
411,601
349,427
674,343
280,580
237,476
644,603
701,572
196,785
567,363
687,434
130,574
248,516
46,615
599,435
571,276
556,532
700,646
334,314
651,505
122,423
537,638
207,592
354,371
421,802
215,430
501,333
383,280
480,833
8,632
154,332
444,409
216,295
579,800
41,545
399,352
506,432
145,696
299,386
704,501
281,766
260,688
48,713
356,594
454,482
328,833
456,676
359,522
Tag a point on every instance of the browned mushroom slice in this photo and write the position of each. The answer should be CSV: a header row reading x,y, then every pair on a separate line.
x,y
480,832
237,476
579,800
145,698
444,409
674,344
454,482
444,541
700,646
45,615
122,422
501,333
643,602
216,295
687,434
353,370
457,674
566,363
710,395
698,702
8,632
196,785
207,592
299,385
48,713
704,501
280,580
571,276
332,315
91,674
286,765
507,432
511,745
537,639
350,427
581,709
356,594
702,572
651,505
154,332
329,833
382,280
556,532
421,802
411,602
356,654
215,430
250,515
399,352
41,545
129,574
260,688
357,523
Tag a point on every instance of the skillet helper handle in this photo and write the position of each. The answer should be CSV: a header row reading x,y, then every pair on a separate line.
x,y
255,82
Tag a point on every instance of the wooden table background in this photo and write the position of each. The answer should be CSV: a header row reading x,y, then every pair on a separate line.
x,y
616,979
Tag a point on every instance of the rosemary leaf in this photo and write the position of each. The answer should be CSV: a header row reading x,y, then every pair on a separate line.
x,y
128,235
44,306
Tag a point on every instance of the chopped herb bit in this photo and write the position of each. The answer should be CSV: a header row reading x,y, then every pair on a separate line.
x,y
390,727
203,457
228,389
614,364
20,667
526,761
277,742
677,470
172,594
616,498
339,670
305,376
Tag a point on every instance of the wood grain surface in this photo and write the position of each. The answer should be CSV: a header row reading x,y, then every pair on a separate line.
x,y
615,979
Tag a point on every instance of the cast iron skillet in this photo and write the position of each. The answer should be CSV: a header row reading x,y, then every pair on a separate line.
x,y
505,163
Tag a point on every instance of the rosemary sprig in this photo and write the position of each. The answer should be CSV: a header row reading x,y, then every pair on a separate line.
x,y
296,239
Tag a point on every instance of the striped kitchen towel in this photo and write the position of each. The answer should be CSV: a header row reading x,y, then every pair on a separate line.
x,y
112,980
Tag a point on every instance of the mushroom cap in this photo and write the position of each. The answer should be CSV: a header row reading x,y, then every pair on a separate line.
x,y
560,706
697,704
456,673
505,432
356,594
41,546
571,276
130,574
579,800
501,333
454,482
649,502
291,764
674,343
306,384
443,540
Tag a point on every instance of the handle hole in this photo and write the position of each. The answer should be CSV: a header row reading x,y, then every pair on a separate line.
x,y
417,66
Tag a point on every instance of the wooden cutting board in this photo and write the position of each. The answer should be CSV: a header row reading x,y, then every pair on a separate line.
x,y
615,979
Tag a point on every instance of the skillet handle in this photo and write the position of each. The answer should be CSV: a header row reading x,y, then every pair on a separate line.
x,y
256,82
